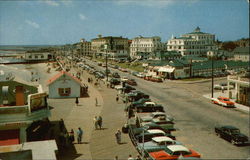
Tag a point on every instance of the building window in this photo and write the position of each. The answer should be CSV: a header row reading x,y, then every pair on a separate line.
x,y
30,56
36,56
64,91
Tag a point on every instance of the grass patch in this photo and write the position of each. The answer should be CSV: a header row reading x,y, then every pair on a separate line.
x,y
136,67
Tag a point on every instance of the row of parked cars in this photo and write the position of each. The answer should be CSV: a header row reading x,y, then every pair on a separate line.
x,y
150,129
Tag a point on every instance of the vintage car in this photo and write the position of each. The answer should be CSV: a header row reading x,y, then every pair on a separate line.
x,y
223,101
231,134
156,79
131,82
140,75
173,152
114,81
136,95
165,124
140,101
149,108
147,135
115,75
157,144
147,129
127,89
153,115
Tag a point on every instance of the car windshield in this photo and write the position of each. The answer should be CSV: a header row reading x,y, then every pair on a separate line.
x,y
225,99
235,131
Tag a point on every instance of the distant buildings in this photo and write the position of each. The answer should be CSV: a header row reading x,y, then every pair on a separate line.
x,y
117,47
145,46
37,56
242,54
194,43
84,48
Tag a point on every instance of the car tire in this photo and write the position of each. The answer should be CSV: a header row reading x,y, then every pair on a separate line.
x,y
233,142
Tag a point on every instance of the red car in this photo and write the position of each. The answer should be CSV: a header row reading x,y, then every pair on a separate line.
x,y
156,79
224,101
173,152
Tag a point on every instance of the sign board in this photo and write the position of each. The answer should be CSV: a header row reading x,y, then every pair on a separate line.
x,y
37,101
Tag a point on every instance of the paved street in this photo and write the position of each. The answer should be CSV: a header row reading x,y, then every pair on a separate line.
x,y
196,116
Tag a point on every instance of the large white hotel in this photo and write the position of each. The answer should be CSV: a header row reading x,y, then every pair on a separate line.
x,y
194,43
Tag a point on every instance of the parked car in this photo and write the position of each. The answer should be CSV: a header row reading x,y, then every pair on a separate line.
x,y
156,144
114,81
131,82
173,152
231,134
149,108
140,75
222,86
155,79
165,124
136,95
159,115
116,75
223,101
127,89
134,73
148,135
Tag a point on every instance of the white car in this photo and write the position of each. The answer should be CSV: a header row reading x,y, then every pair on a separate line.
x,y
220,87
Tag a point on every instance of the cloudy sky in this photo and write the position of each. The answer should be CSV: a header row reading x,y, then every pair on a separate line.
x,y
30,22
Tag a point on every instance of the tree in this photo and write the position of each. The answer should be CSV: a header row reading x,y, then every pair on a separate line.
x,y
229,46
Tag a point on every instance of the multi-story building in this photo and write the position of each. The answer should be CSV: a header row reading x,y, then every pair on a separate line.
x,y
241,54
84,48
145,45
117,47
194,43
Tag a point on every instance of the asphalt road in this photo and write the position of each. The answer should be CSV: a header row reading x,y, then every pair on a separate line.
x,y
196,116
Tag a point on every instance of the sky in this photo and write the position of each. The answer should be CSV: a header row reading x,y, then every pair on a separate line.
x,y
56,22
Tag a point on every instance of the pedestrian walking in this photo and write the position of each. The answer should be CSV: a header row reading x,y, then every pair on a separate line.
x,y
138,157
96,122
96,102
79,135
72,136
130,157
117,98
61,125
118,135
77,101
99,120
116,158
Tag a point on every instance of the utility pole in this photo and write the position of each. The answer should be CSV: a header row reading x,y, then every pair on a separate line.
x,y
106,58
190,72
212,77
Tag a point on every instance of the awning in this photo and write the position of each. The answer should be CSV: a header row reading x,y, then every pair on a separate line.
x,y
163,69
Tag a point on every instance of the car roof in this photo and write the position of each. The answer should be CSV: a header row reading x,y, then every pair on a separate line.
x,y
158,113
155,131
162,138
229,127
150,103
175,148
